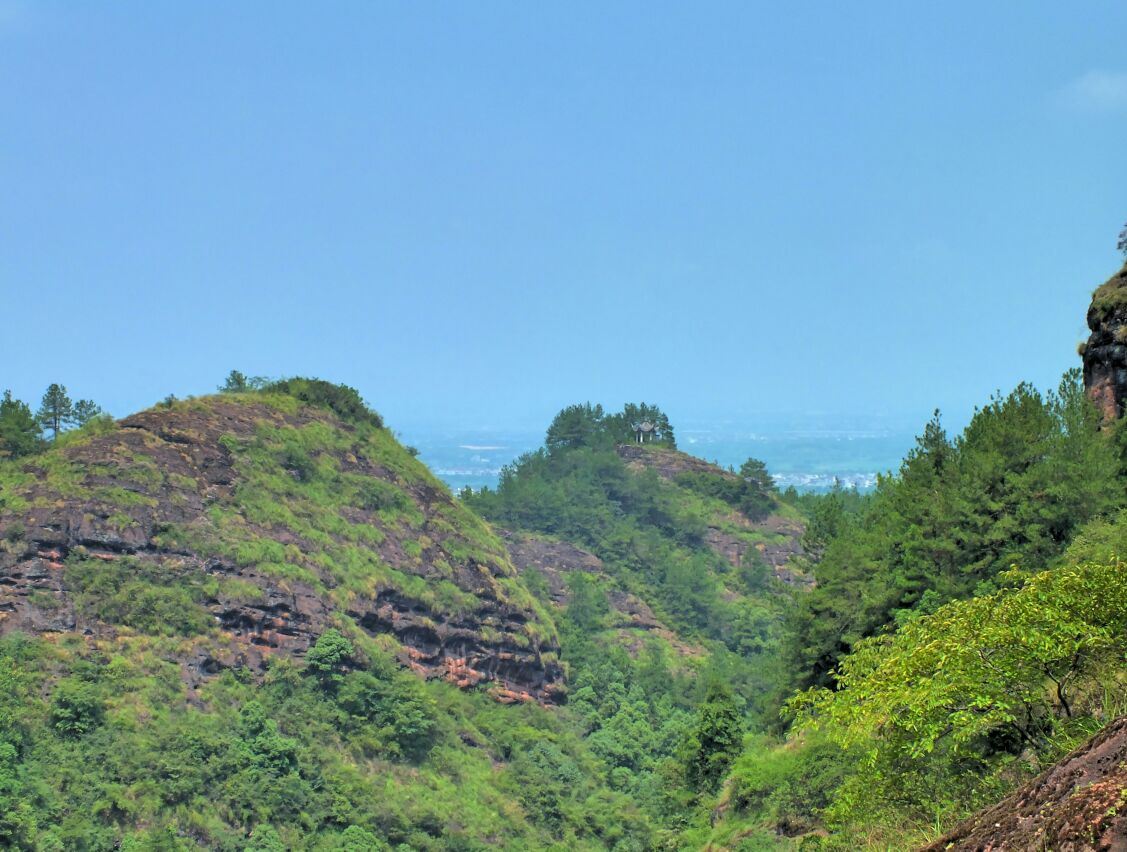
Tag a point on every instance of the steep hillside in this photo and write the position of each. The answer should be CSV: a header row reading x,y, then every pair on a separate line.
x,y
552,566
255,622
965,632
670,578
775,535
712,553
254,524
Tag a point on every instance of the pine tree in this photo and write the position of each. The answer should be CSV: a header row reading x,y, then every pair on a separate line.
x,y
84,411
236,383
20,435
757,497
577,426
56,410
716,739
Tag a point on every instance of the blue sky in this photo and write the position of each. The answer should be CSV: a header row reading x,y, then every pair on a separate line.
x,y
477,213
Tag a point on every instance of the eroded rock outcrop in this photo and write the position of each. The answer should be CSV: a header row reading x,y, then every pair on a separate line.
x,y
1076,806
1105,352
269,523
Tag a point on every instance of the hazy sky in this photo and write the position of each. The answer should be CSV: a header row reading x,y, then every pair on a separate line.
x,y
478,212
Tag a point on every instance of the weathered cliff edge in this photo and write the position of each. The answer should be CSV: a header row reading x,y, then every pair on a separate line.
x,y
1105,352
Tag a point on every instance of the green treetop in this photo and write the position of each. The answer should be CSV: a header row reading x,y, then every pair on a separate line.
x,y
587,425
83,411
716,739
236,383
55,410
577,426
20,435
239,382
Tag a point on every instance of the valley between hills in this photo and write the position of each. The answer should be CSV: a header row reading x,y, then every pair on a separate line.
x,y
254,620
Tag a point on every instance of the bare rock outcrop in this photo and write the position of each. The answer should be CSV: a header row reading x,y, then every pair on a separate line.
x,y
1078,805
666,462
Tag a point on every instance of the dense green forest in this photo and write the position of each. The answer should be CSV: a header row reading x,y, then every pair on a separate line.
x,y
924,648
889,709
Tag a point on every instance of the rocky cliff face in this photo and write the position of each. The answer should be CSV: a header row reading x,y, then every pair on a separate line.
x,y
1076,806
1105,352
246,526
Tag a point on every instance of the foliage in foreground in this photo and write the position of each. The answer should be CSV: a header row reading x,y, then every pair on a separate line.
x,y
954,697
939,675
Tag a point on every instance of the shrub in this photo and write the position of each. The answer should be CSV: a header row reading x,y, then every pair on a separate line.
x,y
950,694
789,783
326,660
299,463
396,705
265,838
342,400
357,839
76,708
376,495
545,779
715,740
149,598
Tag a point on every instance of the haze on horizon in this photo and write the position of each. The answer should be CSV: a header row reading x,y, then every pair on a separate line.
x,y
478,218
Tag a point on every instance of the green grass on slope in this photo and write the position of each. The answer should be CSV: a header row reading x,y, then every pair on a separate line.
x,y
1111,295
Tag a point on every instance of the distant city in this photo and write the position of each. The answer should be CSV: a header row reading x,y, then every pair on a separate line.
x,y
809,459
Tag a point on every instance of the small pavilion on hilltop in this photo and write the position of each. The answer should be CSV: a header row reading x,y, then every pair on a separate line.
x,y
644,431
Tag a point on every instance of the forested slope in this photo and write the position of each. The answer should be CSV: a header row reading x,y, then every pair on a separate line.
x,y
687,569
